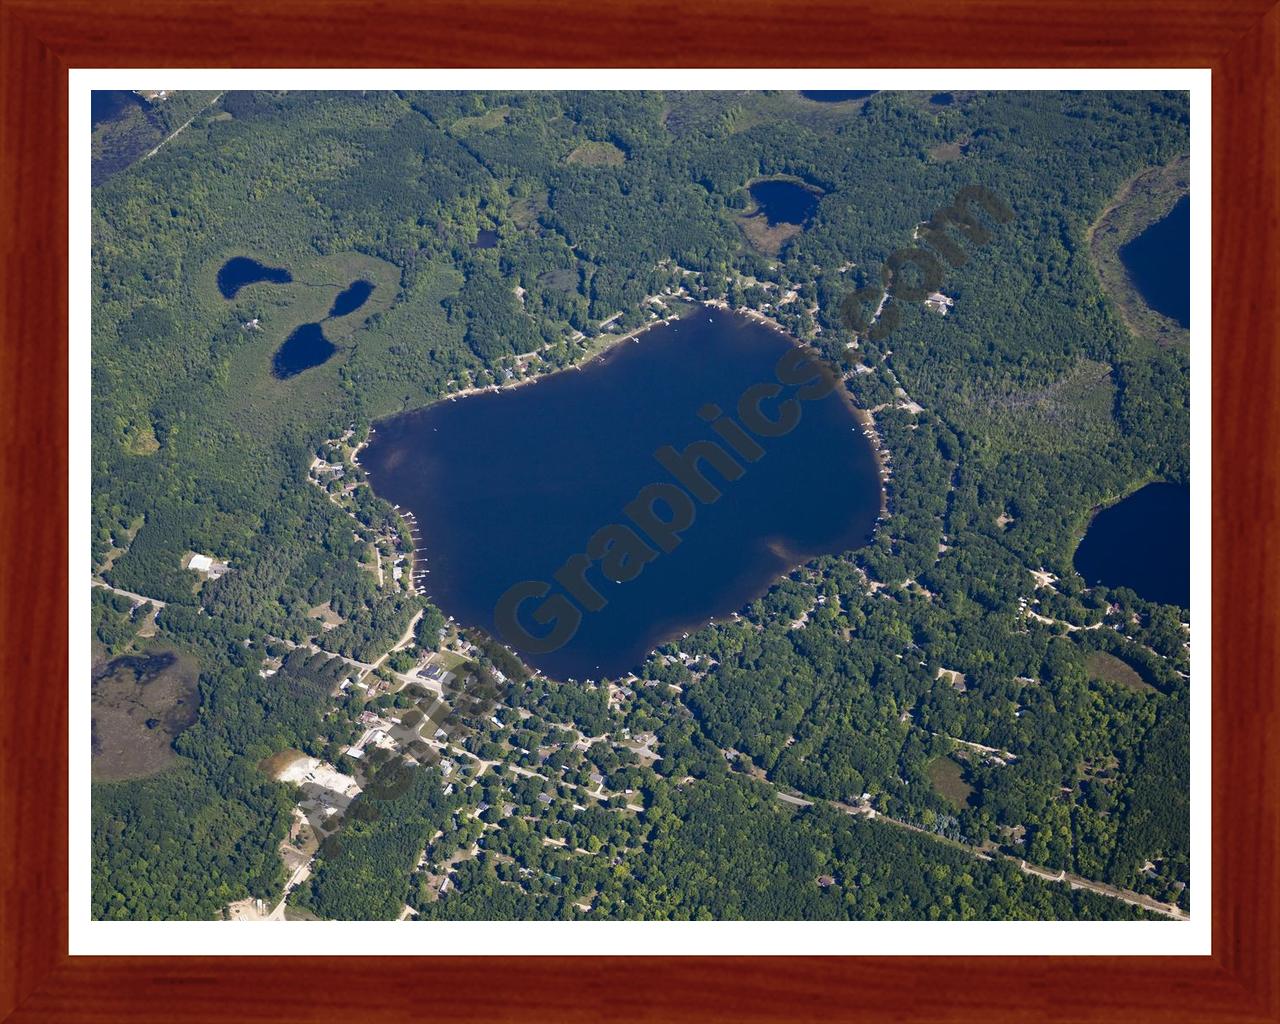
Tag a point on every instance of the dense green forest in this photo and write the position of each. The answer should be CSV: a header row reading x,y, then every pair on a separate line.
x,y
934,652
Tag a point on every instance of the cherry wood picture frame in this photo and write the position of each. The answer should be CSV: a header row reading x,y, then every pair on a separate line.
x,y
41,39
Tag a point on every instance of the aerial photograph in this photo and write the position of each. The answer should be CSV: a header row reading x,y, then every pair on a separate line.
x,y
640,505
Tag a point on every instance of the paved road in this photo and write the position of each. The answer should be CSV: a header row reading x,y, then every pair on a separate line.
x,y
320,650
297,878
181,127
1137,899
139,598
402,642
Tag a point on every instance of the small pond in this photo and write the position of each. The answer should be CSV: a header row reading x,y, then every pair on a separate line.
x,y
240,271
1159,263
835,96
486,239
352,298
1143,543
784,202
304,348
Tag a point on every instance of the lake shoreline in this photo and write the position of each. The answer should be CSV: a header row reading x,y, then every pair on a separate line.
x,y
415,473
1130,542
864,417
1143,200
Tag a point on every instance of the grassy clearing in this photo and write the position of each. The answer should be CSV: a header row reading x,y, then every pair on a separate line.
x,y
948,151
597,154
764,237
326,615
487,121
562,279
1108,668
947,777
142,440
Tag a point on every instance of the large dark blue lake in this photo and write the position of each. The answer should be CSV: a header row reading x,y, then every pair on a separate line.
x,y
507,488
1143,543
1159,263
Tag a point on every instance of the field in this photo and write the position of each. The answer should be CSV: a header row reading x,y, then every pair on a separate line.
x,y
490,119
1110,669
449,660
140,705
597,154
948,779
947,151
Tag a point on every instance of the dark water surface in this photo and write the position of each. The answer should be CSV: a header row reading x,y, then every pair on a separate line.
x,y
240,271
304,348
352,299
485,239
835,96
507,486
784,202
1144,543
108,104
1159,263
